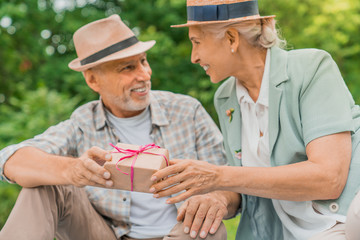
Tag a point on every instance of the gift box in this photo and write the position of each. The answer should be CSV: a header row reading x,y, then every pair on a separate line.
x,y
132,166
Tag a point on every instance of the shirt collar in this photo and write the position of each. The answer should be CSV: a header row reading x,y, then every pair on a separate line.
x,y
99,115
158,116
263,99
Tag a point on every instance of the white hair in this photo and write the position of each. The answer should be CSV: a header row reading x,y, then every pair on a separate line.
x,y
260,32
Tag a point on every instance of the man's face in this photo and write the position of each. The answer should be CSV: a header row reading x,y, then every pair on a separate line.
x,y
124,85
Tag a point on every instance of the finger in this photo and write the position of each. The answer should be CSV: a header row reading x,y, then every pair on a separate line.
x,y
165,183
208,221
96,180
175,161
189,215
174,168
94,168
216,224
171,190
198,219
99,155
182,211
171,181
179,198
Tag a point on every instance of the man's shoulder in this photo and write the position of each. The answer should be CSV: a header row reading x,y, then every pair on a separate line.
x,y
86,112
87,108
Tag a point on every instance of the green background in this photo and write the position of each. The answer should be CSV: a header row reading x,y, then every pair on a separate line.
x,y
37,89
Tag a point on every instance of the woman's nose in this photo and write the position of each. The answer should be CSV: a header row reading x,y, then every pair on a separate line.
x,y
194,57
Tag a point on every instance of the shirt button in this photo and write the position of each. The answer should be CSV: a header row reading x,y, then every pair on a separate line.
x,y
124,199
334,207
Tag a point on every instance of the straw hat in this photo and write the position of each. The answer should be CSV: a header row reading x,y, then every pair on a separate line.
x,y
201,12
105,40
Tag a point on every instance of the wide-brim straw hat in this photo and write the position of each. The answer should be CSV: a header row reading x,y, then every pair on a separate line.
x,y
200,12
105,40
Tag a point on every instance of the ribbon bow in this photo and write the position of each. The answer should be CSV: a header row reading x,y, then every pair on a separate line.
x,y
135,153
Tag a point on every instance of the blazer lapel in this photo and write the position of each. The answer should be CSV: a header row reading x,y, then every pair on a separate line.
x,y
233,127
278,75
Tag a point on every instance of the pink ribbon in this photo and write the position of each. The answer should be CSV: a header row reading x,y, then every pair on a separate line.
x,y
134,153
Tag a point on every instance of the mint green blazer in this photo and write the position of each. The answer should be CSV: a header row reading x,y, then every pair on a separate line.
x,y
307,99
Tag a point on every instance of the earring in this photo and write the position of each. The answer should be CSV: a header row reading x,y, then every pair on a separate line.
x,y
232,50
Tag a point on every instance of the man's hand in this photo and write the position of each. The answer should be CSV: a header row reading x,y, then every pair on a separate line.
x,y
203,212
87,169
32,167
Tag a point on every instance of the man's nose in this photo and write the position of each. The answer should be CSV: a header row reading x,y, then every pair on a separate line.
x,y
144,73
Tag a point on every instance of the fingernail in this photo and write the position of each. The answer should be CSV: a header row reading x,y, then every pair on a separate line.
x,y
153,178
186,230
212,230
109,183
156,195
203,234
193,234
106,175
108,156
152,190
168,201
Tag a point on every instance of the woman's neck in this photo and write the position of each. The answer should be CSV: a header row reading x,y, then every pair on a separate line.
x,y
251,70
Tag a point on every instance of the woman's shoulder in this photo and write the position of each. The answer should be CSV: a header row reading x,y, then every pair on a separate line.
x,y
308,56
303,64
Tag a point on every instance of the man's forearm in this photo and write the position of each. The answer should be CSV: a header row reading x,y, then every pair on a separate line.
x,y
31,167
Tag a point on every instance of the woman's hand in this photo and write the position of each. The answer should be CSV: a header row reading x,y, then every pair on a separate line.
x,y
88,170
193,176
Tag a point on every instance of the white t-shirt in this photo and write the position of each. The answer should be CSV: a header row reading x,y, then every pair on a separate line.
x,y
149,217
300,219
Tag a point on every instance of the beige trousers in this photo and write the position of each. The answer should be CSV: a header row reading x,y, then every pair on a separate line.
x,y
345,231
65,212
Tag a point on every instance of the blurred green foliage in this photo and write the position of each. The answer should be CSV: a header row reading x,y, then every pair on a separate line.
x,y
37,89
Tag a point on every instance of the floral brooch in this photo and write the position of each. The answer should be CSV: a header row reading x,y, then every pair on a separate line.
x,y
238,154
229,113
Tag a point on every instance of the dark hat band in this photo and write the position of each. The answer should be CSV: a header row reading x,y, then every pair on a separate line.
x,y
110,50
222,11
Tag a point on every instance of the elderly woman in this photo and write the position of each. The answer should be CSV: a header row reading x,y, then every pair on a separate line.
x,y
290,126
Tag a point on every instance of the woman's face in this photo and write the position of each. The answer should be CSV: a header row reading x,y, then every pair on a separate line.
x,y
214,55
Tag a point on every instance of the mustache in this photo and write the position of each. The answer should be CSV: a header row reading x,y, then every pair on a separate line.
x,y
144,84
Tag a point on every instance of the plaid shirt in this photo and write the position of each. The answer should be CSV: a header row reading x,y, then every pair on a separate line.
x,y
179,123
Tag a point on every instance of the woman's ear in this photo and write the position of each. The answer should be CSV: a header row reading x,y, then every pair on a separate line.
x,y
233,38
92,79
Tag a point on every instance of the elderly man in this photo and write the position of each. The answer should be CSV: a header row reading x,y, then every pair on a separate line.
x,y
53,167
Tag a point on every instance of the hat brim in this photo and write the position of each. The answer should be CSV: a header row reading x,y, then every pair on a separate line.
x,y
233,20
135,49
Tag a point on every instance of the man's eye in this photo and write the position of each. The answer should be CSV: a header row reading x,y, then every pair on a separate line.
x,y
129,67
